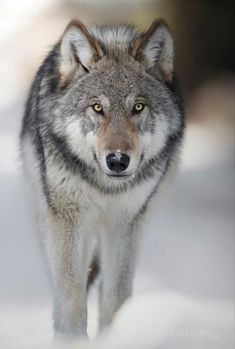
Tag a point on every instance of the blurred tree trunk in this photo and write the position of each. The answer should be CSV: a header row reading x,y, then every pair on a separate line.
x,y
205,39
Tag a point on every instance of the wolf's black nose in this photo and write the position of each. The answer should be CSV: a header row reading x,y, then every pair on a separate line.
x,y
117,162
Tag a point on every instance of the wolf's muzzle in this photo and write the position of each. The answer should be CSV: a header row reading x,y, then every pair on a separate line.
x,y
117,162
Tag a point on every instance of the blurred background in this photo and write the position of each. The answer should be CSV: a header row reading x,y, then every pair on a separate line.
x,y
188,242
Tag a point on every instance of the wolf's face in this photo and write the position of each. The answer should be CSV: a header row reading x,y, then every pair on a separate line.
x,y
115,111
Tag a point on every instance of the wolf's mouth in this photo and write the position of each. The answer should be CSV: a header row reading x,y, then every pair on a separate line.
x,y
118,176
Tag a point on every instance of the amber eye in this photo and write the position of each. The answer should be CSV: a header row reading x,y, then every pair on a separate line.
x,y
97,107
138,107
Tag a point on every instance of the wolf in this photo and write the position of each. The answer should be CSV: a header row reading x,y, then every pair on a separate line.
x,y
102,128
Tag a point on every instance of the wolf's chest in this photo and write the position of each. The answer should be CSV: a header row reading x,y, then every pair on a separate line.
x,y
107,211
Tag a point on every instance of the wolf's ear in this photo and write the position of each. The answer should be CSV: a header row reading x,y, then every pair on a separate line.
x,y
78,50
155,49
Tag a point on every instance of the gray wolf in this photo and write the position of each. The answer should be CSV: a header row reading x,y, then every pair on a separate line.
x,y
102,128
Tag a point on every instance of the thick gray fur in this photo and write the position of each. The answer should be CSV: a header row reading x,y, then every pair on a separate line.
x,y
83,211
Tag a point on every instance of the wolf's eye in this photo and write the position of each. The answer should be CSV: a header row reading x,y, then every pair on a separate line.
x,y
138,107
97,107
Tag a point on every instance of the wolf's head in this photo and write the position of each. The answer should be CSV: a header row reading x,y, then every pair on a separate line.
x,y
115,107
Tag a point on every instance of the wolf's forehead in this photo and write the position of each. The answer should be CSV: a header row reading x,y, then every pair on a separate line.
x,y
118,88
109,100
115,81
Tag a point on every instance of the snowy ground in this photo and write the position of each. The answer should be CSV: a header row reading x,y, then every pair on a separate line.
x,y
184,285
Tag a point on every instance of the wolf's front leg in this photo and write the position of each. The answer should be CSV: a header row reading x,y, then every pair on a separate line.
x,y
118,264
69,253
